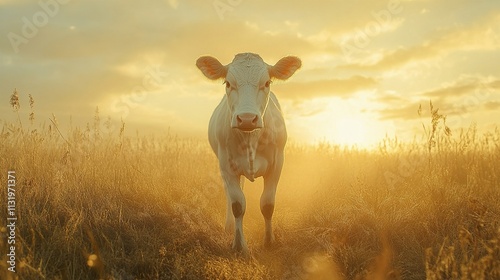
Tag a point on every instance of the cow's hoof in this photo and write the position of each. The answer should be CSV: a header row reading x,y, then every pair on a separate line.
x,y
269,242
242,253
240,250
239,245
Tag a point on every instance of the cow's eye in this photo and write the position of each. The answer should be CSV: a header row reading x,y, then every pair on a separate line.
x,y
228,85
268,83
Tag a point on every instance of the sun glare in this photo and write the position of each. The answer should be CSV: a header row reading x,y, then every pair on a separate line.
x,y
347,126
351,131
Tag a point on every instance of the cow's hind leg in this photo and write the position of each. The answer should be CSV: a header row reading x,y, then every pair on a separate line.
x,y
267,208
267,199
229,213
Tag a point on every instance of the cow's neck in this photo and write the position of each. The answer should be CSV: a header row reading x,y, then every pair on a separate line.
x,y
247,146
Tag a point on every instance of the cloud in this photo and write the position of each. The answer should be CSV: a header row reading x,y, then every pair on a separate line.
x,y
304,109
405,112
236,37
388,98
340,17
55,92
464,95
173,3
90,56
492,105
343,88
410,110
479,36
465,87
140,28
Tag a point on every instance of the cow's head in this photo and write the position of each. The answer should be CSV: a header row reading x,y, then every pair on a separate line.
x,y
247,81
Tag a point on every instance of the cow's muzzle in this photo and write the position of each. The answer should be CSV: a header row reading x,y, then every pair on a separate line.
x,y
247,122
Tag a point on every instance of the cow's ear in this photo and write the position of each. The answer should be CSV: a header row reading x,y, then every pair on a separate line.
x,y
211,67
285,67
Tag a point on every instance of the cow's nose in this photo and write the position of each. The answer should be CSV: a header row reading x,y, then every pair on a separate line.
x,y
247,121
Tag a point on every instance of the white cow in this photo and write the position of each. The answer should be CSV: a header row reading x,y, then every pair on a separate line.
x,y
247,133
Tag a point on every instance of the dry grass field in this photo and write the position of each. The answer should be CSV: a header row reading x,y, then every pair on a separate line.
x,y
93,203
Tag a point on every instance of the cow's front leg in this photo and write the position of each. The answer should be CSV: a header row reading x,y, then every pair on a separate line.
x,y
238,206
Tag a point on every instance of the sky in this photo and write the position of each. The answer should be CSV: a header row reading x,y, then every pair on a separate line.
x,y
366,65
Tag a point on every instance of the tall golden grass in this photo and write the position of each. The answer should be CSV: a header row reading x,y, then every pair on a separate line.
x,y
93,203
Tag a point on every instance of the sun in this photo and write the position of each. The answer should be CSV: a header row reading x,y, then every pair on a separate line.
x,y
342,123
352,131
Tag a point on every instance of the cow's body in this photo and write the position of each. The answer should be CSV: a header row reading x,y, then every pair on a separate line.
x,y
247,133
235,145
